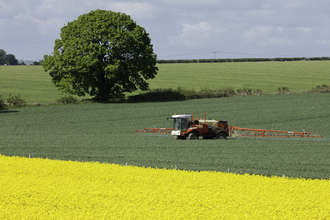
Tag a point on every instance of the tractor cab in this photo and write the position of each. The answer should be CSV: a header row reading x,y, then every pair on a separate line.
x,y
191,128
180,123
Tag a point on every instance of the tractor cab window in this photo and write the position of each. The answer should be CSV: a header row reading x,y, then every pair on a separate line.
x,y
180,124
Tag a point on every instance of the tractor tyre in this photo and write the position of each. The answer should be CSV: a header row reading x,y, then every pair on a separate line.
x,y
221,135
192,136
177,137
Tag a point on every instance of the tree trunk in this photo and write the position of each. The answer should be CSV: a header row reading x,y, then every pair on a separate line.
x,y
103,90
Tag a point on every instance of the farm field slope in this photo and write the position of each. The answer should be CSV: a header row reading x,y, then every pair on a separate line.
x,y
105,133
267,76
31,82
35,85
52,189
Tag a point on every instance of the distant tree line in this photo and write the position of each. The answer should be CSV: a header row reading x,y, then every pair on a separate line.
x,y
10,59
7,59
243,60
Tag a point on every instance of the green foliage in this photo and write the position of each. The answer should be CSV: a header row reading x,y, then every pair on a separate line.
x,y
104,54
319,58
12,59
7,58
243,60
217,93
36,63
321,89
3,57
67,99
207,93
105,133
283,90
15,100
248,91
2,104
158,95
179,94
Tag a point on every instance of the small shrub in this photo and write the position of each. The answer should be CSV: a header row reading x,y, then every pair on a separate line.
x,y
321,89
2,103
245,91
157,95
257,92
186,94
218,93
228,92
67,99
283,90
15,100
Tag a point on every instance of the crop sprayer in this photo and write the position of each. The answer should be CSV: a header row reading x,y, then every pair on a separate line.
x,y
191,128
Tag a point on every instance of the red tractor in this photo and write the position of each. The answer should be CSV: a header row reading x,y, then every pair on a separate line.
x,y
191,128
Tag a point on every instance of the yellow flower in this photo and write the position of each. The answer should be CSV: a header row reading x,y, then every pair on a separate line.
x,y
53,189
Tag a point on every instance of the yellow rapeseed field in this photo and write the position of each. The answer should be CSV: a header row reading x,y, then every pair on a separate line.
x,y
34,188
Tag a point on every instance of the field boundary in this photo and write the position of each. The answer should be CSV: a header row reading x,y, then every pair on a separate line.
x,y
164,95
278,59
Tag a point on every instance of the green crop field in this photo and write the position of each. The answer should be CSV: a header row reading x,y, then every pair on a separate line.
x,y
299,76
31,82
34,85
105,132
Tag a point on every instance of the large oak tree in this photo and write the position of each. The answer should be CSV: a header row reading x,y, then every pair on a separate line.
x,y
103,54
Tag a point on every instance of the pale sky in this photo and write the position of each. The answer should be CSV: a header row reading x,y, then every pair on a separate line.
x,y
181,29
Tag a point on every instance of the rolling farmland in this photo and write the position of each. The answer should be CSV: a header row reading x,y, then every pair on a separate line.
x,y
267,175
105,133
267,76
35,85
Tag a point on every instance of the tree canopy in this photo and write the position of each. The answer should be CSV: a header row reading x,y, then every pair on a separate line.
x,y
12,59
103,54
3,57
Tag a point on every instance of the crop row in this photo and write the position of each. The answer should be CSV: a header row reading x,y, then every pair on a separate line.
x,y
105,133
54,189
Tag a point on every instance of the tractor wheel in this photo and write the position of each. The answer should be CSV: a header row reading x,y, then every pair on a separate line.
x,y
177,138
221,135
192,136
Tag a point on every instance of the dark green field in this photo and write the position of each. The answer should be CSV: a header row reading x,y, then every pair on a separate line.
x,y
105,132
